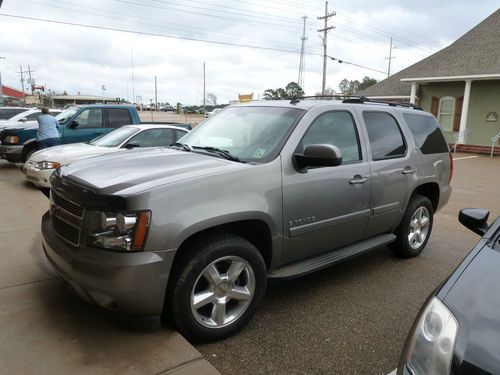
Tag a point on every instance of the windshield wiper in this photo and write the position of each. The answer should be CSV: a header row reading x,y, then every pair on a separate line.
x,y
224,153
184,146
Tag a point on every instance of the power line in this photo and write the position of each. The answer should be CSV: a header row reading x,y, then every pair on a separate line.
x,y
178,37
159,23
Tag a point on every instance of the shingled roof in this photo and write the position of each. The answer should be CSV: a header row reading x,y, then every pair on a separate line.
x,y
476,52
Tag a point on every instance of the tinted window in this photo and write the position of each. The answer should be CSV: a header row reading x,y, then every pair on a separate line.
x,y
7,113
118,117
179,134
338,129
154,138
90,118
33,116
384,134
428,136
114,138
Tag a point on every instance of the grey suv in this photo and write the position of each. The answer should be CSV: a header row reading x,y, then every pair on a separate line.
x,y
264,190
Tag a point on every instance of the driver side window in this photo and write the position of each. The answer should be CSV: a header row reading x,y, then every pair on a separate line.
x,y
90,118
335,128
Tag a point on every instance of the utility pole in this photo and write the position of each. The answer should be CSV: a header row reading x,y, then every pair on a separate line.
x,y
156,95
300,80
204,89
30,79
133,81
1,88
325,33
390,59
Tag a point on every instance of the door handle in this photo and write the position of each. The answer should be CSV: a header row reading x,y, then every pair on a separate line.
x,y
408,170
358,179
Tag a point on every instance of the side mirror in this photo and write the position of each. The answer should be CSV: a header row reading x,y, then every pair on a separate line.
x,y
474,219
132,145
74,124
24,119
319,155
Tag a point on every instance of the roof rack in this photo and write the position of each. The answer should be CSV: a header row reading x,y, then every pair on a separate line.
x,y
356,99
364,99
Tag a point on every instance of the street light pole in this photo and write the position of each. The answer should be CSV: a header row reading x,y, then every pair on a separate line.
x,y
103,87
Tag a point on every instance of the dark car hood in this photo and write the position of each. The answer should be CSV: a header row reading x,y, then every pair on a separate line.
x,y
143,169
475,301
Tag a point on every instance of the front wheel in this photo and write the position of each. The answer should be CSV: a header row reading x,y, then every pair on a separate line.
x,y
415,227
221,283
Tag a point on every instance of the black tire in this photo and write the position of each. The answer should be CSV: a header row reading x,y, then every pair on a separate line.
x,y
216,251
403,246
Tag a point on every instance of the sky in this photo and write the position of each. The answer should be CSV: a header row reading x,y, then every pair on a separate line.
x,y
247,46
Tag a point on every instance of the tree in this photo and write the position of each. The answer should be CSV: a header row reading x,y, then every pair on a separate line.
x,y
367,82
291,91
211,99
348,88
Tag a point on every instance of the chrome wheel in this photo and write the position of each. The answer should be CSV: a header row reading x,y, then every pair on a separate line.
x,y
419,227
222,292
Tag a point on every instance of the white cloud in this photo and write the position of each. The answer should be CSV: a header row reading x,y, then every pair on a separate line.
x,y
79,59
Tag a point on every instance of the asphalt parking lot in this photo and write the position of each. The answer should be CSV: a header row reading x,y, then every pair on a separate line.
x,y
354,317
349,319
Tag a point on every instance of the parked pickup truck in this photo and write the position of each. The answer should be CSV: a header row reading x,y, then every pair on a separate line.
x,y
76,124
262,190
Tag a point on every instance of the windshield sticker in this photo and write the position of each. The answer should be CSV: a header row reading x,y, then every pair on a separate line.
x,y
259,153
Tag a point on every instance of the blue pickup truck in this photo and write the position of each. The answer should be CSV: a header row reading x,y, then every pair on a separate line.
x,y
76,124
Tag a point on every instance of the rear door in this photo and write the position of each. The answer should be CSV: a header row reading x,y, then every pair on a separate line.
x,y
89,125
327,207
392,168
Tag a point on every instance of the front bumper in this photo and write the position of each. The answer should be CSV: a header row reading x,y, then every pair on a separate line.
x,y
127,283
39,177
11,153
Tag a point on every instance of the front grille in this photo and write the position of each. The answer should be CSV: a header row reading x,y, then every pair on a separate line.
x,y
66,231
67,205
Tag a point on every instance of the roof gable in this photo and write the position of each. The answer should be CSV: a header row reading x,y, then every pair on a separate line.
x,y
476,52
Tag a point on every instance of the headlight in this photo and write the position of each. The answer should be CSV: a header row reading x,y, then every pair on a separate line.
x,y
11,139
430,350
122,231
47,165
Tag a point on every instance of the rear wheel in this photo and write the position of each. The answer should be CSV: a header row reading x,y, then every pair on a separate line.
x,y
415,228
219,286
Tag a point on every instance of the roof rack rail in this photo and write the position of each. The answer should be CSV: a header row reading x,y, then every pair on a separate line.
x,y
337,96
364,99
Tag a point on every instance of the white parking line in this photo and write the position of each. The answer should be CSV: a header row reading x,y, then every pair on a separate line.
x,y
393,372
466,157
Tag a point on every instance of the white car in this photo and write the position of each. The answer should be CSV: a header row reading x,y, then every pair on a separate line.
x,y
211,113
28,118
41,164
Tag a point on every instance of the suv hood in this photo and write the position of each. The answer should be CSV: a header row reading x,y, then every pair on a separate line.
x,y
139,170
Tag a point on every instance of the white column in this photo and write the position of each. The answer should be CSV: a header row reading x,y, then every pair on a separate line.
x,y
465,111
413,94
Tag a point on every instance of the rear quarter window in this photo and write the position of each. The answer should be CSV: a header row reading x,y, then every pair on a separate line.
x,y
427,134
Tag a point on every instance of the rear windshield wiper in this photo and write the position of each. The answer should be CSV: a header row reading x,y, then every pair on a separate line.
x,y
184,146
223,153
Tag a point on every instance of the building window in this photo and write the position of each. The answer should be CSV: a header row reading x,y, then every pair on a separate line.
x,y
446,110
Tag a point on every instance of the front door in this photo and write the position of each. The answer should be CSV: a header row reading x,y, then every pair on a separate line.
x,y
327,207
89,126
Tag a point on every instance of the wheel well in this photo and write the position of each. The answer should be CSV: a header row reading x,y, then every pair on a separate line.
x,y
255,231
431,191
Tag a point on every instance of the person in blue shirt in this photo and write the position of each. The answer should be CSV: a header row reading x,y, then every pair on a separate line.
x,y
47,135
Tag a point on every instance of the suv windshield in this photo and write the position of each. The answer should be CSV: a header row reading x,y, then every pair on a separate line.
x,y
114,138
63,116
252,134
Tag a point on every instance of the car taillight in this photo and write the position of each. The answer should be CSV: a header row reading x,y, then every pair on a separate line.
x,y
451,167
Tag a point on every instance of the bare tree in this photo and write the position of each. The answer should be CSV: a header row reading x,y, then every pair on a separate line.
x,y
211,99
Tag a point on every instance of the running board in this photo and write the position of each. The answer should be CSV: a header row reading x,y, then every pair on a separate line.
x,y
325,260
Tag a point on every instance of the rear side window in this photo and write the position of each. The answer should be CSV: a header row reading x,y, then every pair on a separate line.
x,y
428,136
384,134
7,113
118,117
